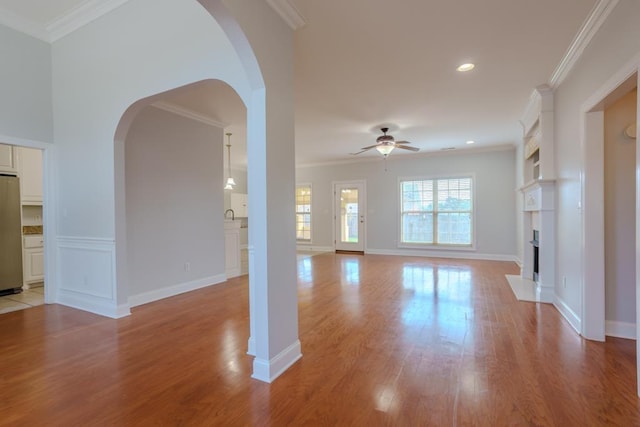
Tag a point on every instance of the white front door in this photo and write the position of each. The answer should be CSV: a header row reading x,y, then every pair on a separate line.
x,y
349,215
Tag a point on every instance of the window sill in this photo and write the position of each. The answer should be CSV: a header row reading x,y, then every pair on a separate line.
x,y
457,248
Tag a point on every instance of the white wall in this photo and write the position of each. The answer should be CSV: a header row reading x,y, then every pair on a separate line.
x,y
519,156
174,204
495,204
25,85
619,211
617,41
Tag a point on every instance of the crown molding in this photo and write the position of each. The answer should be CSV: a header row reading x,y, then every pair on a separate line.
x,y
26,26
189,114
590,27
408,156
80,16
599,14
288,12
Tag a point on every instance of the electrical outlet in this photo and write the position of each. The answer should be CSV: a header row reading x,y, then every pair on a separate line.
x,y
564,282
187,266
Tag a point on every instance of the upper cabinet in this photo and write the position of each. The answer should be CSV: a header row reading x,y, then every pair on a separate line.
x,y
239,204
7,160
29,164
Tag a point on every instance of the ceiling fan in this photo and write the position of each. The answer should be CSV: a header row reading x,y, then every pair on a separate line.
x,y
386,143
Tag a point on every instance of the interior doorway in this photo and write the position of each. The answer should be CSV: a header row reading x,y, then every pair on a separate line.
x,y
349,217
593,313
619,216
23,166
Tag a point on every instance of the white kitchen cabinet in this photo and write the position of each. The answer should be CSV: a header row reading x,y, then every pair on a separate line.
x,y
7,161
29,165
232,266
239,204
33,259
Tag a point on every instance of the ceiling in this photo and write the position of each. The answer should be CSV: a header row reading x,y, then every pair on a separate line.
x,y
362,64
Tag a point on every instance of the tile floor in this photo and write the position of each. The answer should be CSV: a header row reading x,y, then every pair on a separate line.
x,y
27,299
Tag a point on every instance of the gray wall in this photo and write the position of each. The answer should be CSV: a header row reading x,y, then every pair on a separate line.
x,y
174,201
25,85
619,211
616,42
495,197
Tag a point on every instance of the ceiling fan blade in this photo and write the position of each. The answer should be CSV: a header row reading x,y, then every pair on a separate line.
x,y
403,142
363,150
404,147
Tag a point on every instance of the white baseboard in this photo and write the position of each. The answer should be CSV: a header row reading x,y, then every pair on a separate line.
x,y
442,254
620,329
312,248
269,370
169,291
92,304
568,313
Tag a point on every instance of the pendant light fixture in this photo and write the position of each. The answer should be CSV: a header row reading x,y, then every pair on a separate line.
x,y
230,181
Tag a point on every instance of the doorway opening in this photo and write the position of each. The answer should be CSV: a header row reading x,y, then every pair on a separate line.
x,y
22,273
349,216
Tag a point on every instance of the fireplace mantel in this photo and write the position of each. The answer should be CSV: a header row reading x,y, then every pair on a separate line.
x,y
539,195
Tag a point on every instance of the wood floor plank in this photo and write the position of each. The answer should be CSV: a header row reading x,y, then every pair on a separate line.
x,y
386,341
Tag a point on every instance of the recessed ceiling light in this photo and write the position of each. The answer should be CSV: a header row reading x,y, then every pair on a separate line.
x,y
466,67
471,142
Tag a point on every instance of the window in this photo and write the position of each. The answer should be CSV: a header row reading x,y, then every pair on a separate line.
x,y
303,213
437,211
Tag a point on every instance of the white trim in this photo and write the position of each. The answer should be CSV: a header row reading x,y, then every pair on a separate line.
x,y
189,114
362,205
590,27
435,246
269,370
173,290
568,313
83,242
620,329
79,16
69,289
394,158
92,304
312,248
22,142
289,13
311,212
442,254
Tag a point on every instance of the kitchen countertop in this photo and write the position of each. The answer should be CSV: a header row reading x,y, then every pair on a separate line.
x,y
31,229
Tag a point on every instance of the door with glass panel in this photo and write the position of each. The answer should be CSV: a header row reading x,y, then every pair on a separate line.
x,y
349,216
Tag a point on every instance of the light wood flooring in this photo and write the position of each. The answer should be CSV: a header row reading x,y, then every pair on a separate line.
x,y
386,341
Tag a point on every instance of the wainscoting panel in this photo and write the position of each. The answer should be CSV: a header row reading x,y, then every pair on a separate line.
x,y
86,275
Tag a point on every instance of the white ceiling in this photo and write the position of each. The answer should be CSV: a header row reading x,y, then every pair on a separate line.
x,y
361,64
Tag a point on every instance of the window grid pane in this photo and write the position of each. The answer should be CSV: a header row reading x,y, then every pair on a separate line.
x,y
303,213
437,211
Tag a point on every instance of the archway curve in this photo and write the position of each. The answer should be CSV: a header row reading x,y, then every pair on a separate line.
x,y
210,88
252,95
273,298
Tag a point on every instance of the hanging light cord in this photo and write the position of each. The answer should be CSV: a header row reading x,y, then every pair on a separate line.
x,y
229,154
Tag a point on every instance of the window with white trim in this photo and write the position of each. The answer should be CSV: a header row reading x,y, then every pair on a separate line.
x,y
303,213
437,211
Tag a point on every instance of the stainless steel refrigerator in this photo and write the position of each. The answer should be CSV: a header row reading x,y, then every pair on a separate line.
x,y
10,235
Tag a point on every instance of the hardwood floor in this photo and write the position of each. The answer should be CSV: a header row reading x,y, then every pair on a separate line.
x,y
385,341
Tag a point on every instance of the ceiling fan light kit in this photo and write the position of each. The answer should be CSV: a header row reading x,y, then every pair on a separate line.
x,y
385,144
